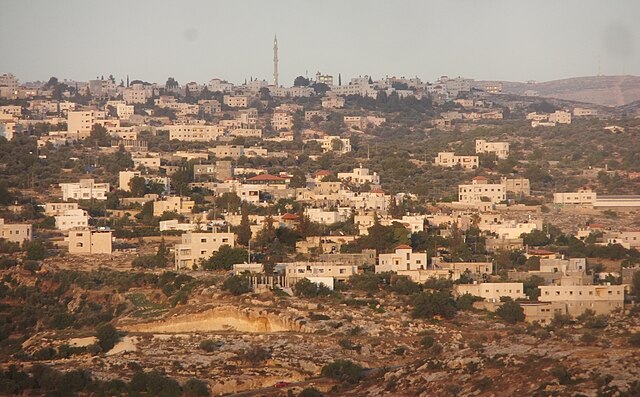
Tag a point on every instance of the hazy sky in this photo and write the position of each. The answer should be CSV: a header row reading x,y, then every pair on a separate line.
x,y
196,40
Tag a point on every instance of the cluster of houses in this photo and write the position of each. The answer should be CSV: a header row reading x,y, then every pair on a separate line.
x,y
328,198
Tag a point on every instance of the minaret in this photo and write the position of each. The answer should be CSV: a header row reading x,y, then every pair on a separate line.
x,y
275,60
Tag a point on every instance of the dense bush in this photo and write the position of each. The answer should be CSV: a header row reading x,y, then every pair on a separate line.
x,y
429,304
308,289
465,301
511,312
237,285
343,370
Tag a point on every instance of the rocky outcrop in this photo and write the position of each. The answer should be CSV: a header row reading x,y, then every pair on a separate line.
x,y
222,319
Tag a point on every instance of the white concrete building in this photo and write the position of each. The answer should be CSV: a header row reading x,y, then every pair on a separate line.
x,y
603,299
72,219
581,197
360,176
195,132
86,189
500,149
449,159
479,191
198,247
491,292
15,232
90,242
402,259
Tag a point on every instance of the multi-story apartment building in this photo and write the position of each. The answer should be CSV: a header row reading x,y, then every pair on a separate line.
x,y
179,205
281,120
319,272
221,170
560,117
518,186
224,151
72,219
603,299
86,189
333,102
402,259
90,241
500,149
150,163
449,159
195,132
480,191
236,101
136,94
491,292
79,123
54,209
197,247
581,197
360,176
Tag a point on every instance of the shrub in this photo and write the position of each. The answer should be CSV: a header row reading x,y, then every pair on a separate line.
x,y
427,341
560,372
591,320
308,289
195,388
404,286
208,345
31,265
511,312
429,304
255,355
36,250
465,302
343,370
634,339
588,338
560,320
349,345
310,392
318,317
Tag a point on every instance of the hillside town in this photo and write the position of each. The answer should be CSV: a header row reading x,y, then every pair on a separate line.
x,y
330,235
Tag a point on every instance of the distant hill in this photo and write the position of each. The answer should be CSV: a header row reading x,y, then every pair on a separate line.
x,y
600,90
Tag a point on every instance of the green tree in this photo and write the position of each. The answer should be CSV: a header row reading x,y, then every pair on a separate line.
x,y
299,179
138,186
237,285
511,312
225,258
308,289
635,283
244,230
107,336
36,250
301,81
98,137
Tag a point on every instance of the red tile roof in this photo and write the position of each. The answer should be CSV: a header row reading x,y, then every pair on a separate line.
x,y
403,247
324,173
290,217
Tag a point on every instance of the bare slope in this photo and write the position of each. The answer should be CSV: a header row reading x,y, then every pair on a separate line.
x,y
601,90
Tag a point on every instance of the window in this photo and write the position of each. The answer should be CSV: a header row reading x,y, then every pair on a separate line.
x,y
203,240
